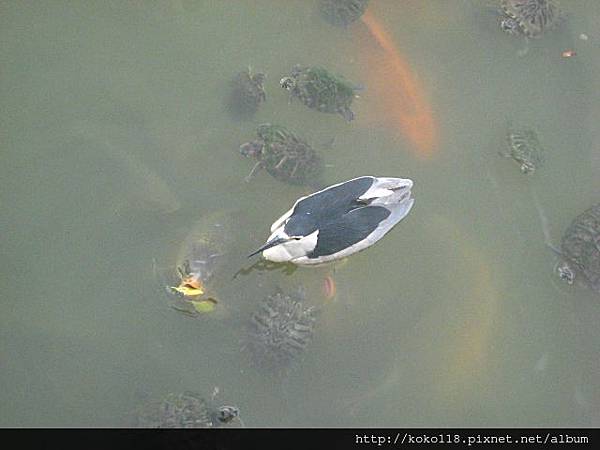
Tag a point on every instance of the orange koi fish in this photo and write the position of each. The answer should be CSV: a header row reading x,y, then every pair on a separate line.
x,y
401,100
467,357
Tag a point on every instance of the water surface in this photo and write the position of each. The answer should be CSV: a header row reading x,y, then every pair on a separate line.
x,y
116,140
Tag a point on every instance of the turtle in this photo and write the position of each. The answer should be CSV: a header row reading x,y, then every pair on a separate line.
x,y
342,13
199,260
284,155
319,89
530,18
247,93
580,250
524,147
186,410
280,330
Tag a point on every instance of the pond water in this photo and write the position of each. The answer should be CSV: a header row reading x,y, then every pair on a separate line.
x,y
116,140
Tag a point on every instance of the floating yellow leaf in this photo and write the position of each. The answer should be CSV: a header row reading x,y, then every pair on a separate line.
x,y
188,290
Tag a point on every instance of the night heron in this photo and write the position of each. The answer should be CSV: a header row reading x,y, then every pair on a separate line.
x,y
338,221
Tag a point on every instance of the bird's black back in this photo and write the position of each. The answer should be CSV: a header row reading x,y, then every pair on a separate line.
x,y
334,201
342,220
348,229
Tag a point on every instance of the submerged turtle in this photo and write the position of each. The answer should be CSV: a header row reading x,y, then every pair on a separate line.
x,y
280,330
186,410
247,93
525,148
342,13
529,18
283,154
200,258
319,89
580,250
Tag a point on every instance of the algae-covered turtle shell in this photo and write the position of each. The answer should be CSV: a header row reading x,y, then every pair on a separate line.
x,y
247,93
524,147
580,249
284,155
280,330
319,89
191,281
185,410
531,18
342,13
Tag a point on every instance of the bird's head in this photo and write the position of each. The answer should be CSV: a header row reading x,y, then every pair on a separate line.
x,y
296,237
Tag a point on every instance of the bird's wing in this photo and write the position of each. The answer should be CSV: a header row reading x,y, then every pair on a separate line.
x,y
334,200
382,188
349,230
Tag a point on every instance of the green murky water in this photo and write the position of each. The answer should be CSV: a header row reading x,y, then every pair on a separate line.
x,y
115,140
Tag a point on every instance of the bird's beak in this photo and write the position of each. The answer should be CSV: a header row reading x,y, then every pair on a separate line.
x,y
269,244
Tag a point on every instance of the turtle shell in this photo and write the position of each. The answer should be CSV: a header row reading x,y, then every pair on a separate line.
x,y
580,247
280,330
248,92
342,13
183,410
533,17
284,155
319,89
525,148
